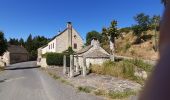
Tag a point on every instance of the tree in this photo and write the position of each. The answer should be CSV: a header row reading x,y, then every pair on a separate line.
x,y
13,41
112,34
21,42
143,23
91,35
3,43
154,22
113,31
29,43
33,43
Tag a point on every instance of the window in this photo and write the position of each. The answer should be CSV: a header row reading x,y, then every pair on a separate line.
x,y
75,36
49,46
53,45
75,46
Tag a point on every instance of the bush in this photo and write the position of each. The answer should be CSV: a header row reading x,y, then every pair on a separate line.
x,y
57,59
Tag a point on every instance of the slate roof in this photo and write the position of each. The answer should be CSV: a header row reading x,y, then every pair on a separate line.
x,y
16,49
97,54
83,50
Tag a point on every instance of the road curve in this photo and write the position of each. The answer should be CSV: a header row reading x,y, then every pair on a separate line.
x,y
23,81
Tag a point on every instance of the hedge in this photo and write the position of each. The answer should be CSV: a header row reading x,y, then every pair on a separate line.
x,y
57,59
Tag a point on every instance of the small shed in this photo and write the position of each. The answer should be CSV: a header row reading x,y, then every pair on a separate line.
x,y
92,54
15,54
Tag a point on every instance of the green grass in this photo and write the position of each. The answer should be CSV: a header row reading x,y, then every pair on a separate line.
x,y
114,95
122,69
60,79
85,89
120,95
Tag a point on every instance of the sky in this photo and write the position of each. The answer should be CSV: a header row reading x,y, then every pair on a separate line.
x,y
19,18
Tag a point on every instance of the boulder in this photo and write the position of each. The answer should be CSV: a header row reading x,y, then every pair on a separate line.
x,y
140,73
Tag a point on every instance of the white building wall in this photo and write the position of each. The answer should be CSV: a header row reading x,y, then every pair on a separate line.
x,y
76,39
44,50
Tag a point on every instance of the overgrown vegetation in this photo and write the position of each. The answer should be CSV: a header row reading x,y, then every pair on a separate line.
x,y
122,69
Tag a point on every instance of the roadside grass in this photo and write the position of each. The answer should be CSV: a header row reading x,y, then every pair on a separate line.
x,y
122,69
86,89
121,95
60,79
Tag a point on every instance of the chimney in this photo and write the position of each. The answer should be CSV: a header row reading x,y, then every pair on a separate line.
x,y
69,25
95,43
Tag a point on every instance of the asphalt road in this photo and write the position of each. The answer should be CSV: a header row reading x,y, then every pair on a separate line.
x,y
23,81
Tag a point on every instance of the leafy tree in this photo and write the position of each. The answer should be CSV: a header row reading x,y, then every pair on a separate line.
x,y
104,40
91,35
113,31
143,23
154,22
3,43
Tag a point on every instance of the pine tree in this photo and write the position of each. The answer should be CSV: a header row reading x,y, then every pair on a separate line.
x,y
3,43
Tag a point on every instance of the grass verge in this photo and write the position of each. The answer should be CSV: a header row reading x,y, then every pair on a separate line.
x,y
122,69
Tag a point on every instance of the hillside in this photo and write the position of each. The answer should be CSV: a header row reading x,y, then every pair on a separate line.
x,y
125,46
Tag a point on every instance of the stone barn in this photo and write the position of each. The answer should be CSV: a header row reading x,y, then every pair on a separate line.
x,y
92,54
15,54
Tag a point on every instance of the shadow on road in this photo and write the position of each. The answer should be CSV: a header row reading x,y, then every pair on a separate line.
x,y
19,68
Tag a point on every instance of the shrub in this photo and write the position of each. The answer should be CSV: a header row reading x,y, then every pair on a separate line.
x,y
57,59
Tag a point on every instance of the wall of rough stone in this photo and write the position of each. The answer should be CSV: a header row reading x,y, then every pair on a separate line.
x,y
16,58
98,61
42,62
6,58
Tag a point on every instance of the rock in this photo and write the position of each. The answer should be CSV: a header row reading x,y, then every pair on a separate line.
x,y
140,73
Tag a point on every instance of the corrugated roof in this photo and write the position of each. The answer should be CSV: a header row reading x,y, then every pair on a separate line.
x,y
97,54
16,49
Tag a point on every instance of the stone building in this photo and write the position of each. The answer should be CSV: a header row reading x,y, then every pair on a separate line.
x,y
15,54
67,38
92,54
61,42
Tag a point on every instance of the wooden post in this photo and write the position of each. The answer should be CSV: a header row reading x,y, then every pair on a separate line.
x,y
71,66
64,65
84,66
112,58
77,64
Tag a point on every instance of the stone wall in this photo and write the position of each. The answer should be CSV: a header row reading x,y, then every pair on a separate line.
x,y
42,62
91,61
6,58
16,58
